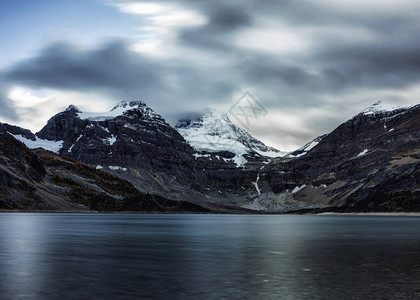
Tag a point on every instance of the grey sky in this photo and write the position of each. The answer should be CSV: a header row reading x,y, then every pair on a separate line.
x,y
312,64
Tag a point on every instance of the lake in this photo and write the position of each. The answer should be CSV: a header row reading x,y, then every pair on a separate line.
x,y
134,256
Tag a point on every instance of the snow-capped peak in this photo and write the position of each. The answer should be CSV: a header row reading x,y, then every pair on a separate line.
x,y
121,109
131,104
383,106
214,132
215,114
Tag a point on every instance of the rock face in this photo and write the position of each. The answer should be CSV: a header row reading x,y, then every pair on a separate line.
x,y
41,180
21,174
369,163
131,133
15,130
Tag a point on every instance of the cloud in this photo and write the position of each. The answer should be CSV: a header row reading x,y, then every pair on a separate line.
x,y
319,61
116,71
7,110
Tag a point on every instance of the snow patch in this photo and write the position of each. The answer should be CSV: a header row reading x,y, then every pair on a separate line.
x,y
53,146
311,145
116,168
99,167
239,160
104,128
256,184
197,155
298,188
306,148
363,152
130,126
110,140
121,109
381,106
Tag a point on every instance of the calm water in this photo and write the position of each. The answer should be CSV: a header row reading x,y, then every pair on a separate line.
x,y
97,256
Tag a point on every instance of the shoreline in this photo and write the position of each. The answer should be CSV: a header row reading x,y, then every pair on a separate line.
x,y
388,214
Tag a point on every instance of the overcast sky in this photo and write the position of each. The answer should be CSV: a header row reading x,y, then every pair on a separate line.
x,y
310,64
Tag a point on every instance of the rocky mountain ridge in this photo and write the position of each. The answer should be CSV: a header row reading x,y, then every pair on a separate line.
x,y
370,162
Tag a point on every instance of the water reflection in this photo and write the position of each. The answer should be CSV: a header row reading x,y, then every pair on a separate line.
x,y
79,256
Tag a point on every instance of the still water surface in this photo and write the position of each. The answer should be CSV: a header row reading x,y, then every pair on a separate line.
x,y
128,256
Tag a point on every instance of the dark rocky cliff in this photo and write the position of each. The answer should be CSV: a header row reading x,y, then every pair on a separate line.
x,y
39,180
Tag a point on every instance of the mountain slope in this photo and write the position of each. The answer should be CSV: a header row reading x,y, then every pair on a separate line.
x,y
214,132
42,180
369,163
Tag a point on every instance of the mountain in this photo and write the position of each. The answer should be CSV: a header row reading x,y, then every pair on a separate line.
x,y
41,180
114,138
214,132
136,144
368,163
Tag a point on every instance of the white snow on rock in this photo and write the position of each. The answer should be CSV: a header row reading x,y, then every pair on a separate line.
x,y
104,128
214,132
363,152
382,106
121,109
239,160
256,185
298,188
130,126
99,167
110,140
116,168
53,146
197,155
311,145
307,147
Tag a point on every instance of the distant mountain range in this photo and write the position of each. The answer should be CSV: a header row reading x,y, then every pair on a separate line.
x,y
131,159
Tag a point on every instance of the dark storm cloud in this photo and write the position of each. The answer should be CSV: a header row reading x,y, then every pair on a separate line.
x,y
222,20
66,67
341,61
118,71
339,64
349,49
375,66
